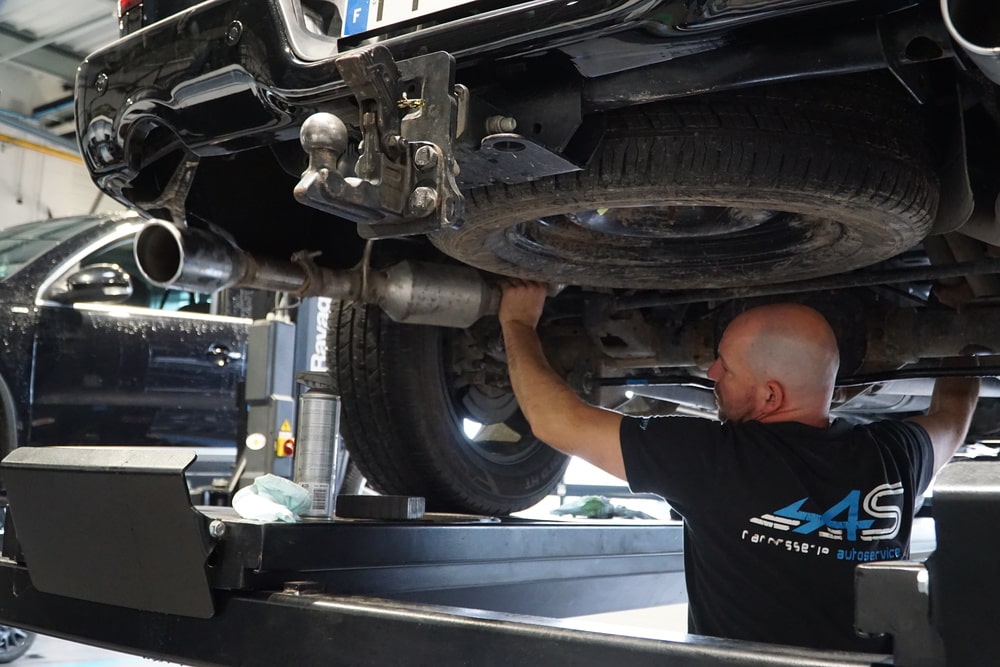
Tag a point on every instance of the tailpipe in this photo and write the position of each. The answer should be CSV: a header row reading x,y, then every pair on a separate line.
x,y
200,261
975,27
409,292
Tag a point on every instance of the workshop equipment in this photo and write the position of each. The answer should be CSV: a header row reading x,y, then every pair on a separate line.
x,y
317,443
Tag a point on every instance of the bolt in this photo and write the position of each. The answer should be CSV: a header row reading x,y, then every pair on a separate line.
x,y
234,33
217,529
394,145
425,158
500,124
423,201
102,83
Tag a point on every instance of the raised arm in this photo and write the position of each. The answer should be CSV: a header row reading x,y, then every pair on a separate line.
x,y
557,416
947,420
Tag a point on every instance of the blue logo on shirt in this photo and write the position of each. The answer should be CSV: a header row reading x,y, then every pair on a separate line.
x,y
850,519
811,521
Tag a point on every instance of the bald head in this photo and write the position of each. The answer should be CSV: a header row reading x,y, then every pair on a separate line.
x,y
789,349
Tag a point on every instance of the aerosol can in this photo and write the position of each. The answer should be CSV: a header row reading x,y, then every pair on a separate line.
x,y
317,443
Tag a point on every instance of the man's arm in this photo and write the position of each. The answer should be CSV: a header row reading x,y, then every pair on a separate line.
x,y
557,416
947,420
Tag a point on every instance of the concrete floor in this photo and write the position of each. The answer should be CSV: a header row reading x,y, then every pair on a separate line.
x,y
52,651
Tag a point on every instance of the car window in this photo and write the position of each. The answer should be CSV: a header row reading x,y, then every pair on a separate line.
x,y
21,244
144,293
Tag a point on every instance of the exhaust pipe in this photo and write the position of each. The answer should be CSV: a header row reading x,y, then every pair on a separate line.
x,y
410,292
975,27
199,261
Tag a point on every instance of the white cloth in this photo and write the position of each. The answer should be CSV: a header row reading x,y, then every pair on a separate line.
x,y
271,498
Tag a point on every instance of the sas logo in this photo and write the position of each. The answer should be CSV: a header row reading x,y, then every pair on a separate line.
x,y
851,518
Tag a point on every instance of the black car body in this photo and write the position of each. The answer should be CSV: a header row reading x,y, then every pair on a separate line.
x,y
95,354
669,163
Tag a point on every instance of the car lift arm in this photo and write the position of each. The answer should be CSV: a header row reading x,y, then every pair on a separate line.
x,y
148,574
310,629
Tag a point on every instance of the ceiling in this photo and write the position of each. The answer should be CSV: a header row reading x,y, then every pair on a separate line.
x,y
41,44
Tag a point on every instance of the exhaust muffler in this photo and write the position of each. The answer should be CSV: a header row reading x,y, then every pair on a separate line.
x,y
411,292
975,27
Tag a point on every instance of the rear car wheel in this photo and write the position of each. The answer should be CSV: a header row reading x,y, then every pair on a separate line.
x,y
14,642
739,188
415,427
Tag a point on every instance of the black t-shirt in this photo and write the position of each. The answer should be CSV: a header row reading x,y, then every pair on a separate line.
x,y
777,516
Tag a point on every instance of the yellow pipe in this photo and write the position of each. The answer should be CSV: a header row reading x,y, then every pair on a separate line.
x,y
40,148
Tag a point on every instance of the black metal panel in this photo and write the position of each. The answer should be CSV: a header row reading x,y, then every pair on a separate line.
x,y
138,543
113,525
287,629
545,567
965,582
892,597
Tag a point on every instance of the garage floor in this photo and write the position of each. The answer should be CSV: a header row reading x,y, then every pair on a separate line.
x,y
52,651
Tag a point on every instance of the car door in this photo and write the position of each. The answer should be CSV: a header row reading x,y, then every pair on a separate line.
x,y
144,366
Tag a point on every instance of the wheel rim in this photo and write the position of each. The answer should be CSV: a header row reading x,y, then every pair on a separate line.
x,y
12,639
671,221
502,439
675,238
488,419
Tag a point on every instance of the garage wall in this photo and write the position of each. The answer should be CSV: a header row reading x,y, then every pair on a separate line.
x,y
40,180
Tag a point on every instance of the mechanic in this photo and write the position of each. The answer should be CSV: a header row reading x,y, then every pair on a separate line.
x,y
779,504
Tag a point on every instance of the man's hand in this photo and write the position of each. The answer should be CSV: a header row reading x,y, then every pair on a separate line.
x,y
522,302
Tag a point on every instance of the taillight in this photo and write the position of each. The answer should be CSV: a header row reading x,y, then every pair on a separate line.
x,y
125,6
129,16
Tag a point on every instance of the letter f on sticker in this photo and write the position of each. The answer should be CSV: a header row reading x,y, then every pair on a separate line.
x,y
356,15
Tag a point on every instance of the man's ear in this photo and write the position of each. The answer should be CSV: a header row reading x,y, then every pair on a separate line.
x,y
774,397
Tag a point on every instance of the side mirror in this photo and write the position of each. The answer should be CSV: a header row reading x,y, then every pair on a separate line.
x,y
104,283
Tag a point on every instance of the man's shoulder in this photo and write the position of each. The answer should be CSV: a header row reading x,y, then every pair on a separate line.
x,y
896,430
671,424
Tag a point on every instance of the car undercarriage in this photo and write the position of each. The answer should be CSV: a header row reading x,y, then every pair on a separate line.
x,y
663,165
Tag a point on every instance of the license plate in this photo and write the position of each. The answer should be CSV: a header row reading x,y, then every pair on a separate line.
x,y
365,15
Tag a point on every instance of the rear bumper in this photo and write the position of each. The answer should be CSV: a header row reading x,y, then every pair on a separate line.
x,y
228,75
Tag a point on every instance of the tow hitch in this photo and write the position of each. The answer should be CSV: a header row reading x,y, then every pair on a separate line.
x,y
405,169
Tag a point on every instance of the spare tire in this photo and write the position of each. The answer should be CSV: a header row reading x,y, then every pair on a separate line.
x,y
757,186
407,421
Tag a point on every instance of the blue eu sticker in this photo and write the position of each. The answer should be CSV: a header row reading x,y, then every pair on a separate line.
x,y
357,17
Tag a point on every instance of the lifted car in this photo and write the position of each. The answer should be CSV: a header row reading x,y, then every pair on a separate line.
x,y
667,164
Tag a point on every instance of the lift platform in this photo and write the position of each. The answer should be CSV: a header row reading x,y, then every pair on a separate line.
x,y
104,547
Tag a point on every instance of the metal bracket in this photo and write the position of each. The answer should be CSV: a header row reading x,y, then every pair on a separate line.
x,y
963,568
893,597
404,180
511,158
911,41
111,525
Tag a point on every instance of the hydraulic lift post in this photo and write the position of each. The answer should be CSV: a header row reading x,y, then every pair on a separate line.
x,y
278,349
270,400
